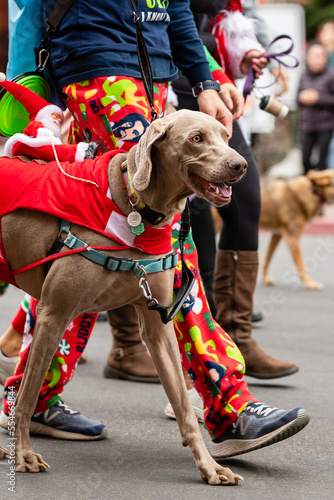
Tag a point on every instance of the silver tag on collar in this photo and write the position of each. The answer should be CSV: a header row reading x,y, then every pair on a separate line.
x,y
134,218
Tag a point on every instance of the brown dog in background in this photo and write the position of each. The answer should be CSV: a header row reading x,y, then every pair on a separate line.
x,y
287,205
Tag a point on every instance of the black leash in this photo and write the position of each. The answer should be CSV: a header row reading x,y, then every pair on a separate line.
x,y
42,55
187,276
144,60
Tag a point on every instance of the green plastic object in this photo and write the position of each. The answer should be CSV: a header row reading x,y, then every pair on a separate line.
x,y
13,116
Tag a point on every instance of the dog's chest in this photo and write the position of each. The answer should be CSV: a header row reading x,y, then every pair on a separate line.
x,y
79,193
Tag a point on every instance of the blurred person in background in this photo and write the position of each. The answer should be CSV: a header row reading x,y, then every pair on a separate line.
x,y
229,274
315,101
325,35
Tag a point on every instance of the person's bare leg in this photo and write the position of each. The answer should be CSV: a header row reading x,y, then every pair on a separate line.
x,y
10,345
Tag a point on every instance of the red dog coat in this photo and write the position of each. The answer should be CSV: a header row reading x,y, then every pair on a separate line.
x,y
45,188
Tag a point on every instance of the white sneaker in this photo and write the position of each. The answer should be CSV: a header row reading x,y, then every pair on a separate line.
x,y
196,402
7,367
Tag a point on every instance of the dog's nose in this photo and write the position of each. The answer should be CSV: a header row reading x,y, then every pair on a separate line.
x,y
238,165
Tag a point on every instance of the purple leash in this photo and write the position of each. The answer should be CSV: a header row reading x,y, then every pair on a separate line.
x,y
273,56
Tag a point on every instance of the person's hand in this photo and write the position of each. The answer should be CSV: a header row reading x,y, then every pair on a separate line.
x,y
233,99
308,96
282,78
256,60
210,103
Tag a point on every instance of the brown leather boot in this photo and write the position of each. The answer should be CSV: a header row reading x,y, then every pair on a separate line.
x,y
129,358
234,286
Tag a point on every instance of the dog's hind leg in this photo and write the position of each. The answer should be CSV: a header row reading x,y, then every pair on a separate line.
x,y
274,241
163,348
49,329
296,253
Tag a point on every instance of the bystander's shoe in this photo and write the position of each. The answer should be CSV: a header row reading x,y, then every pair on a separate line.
x,y
60,421
196,402
128,358
102,316
7,366
256,317
257,426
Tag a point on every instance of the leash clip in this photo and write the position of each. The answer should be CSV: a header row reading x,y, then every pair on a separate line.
x,y
145,288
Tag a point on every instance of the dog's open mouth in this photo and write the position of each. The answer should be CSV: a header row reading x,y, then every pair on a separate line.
x,y
218,193
222,191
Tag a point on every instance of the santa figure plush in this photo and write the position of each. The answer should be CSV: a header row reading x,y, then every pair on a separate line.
x,y
43,131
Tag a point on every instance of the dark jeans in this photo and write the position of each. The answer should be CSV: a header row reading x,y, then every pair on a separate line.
x,y
311,139
241,217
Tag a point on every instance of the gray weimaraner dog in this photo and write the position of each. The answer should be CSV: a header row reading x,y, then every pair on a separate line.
x,y
183,153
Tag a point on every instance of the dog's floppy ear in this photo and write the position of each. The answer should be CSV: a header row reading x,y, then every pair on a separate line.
x,y
319,178
155,131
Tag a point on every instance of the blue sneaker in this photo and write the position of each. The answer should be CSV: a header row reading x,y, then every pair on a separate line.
x,y
60,421
257,426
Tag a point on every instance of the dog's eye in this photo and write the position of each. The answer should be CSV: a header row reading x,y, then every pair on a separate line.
x,y
197,138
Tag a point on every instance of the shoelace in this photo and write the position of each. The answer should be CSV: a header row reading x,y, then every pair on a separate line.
x,y
67,408
261,409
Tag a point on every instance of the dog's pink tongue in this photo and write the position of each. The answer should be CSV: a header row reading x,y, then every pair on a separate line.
x,y
221,189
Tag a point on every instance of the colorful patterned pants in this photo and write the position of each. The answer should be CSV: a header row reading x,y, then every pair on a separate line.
x,y
114,111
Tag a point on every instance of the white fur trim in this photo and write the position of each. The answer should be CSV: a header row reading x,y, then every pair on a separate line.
x,y
2,77
240,37
47,111
81,151
40,140
52,125
118,226
172,97
45,132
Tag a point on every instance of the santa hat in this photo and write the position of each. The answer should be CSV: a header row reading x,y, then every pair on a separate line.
x,y
37,107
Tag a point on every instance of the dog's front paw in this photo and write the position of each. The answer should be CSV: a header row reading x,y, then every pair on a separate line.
x,y
3,453
220,475
30,462
313,285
